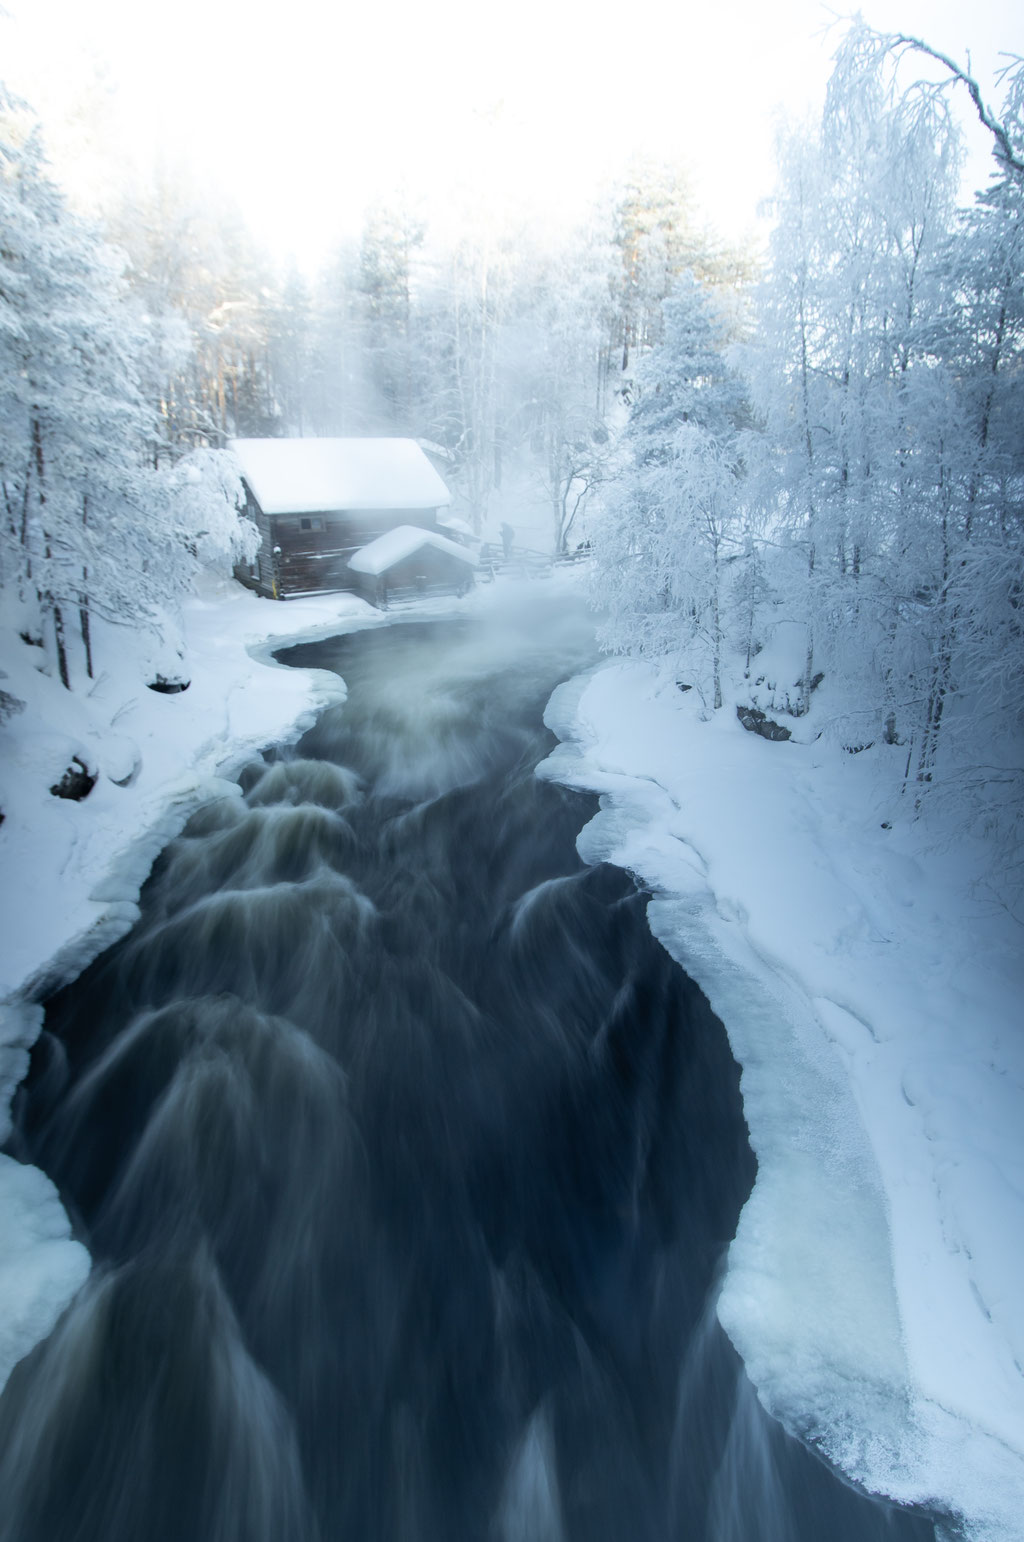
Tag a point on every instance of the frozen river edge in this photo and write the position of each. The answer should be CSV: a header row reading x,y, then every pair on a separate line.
x,y
871,1289
73,871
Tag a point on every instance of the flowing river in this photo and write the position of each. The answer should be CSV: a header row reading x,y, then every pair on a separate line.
x,y
407,1160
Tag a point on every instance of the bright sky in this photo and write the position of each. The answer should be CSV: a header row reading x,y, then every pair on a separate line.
x,y
303,111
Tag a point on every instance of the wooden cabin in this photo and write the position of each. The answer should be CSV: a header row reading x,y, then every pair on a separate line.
x,y
408,562
316,502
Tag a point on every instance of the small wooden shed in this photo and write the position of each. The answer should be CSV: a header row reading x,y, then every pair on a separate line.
x,y
407,562
316,502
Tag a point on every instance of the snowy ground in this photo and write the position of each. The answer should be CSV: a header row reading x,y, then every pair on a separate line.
x,y
870,992
872,996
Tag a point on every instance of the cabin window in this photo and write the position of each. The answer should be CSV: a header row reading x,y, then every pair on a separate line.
x,y
311,524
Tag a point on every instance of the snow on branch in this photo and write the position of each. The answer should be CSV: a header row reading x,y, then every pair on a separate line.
x,y
1004,146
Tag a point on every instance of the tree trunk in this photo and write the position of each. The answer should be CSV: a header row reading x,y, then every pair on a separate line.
x,y
58,637
716,622
23,533
939,689
47,599
805,684
942,671
751,602
84,620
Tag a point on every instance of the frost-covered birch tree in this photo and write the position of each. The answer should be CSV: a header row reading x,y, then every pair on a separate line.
x,y
884,453
676,518
553,361
977,340
863,209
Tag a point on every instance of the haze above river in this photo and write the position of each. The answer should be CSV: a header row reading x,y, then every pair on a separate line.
x,y
407,1159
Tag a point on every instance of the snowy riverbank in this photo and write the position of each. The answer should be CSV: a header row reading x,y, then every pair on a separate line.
x,y
870,991
72,871
872,997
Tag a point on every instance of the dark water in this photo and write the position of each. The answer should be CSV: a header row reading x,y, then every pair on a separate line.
x,y
407,1159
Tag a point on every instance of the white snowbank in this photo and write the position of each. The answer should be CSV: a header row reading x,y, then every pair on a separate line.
x,y
301,476
82,864
873,1001
402,542
73,870
40,1267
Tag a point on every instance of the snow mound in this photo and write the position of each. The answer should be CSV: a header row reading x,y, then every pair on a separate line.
x,y
41,1268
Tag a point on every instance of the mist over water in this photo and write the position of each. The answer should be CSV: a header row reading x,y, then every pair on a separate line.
x,y
407,1160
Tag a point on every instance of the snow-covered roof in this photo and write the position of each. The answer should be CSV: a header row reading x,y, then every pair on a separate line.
x,y
297,476
453,522
400,543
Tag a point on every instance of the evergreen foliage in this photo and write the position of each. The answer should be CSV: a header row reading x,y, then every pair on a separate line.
x,y
92,524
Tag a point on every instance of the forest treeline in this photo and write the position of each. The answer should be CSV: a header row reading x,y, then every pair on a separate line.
x,y
496,345
133,349
826,444
849,472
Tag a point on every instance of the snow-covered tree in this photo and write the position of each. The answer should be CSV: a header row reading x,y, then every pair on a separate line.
x,y
677,515
391,237
198,274
977,340
91,527
550,367
883,456
842,379
334,388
